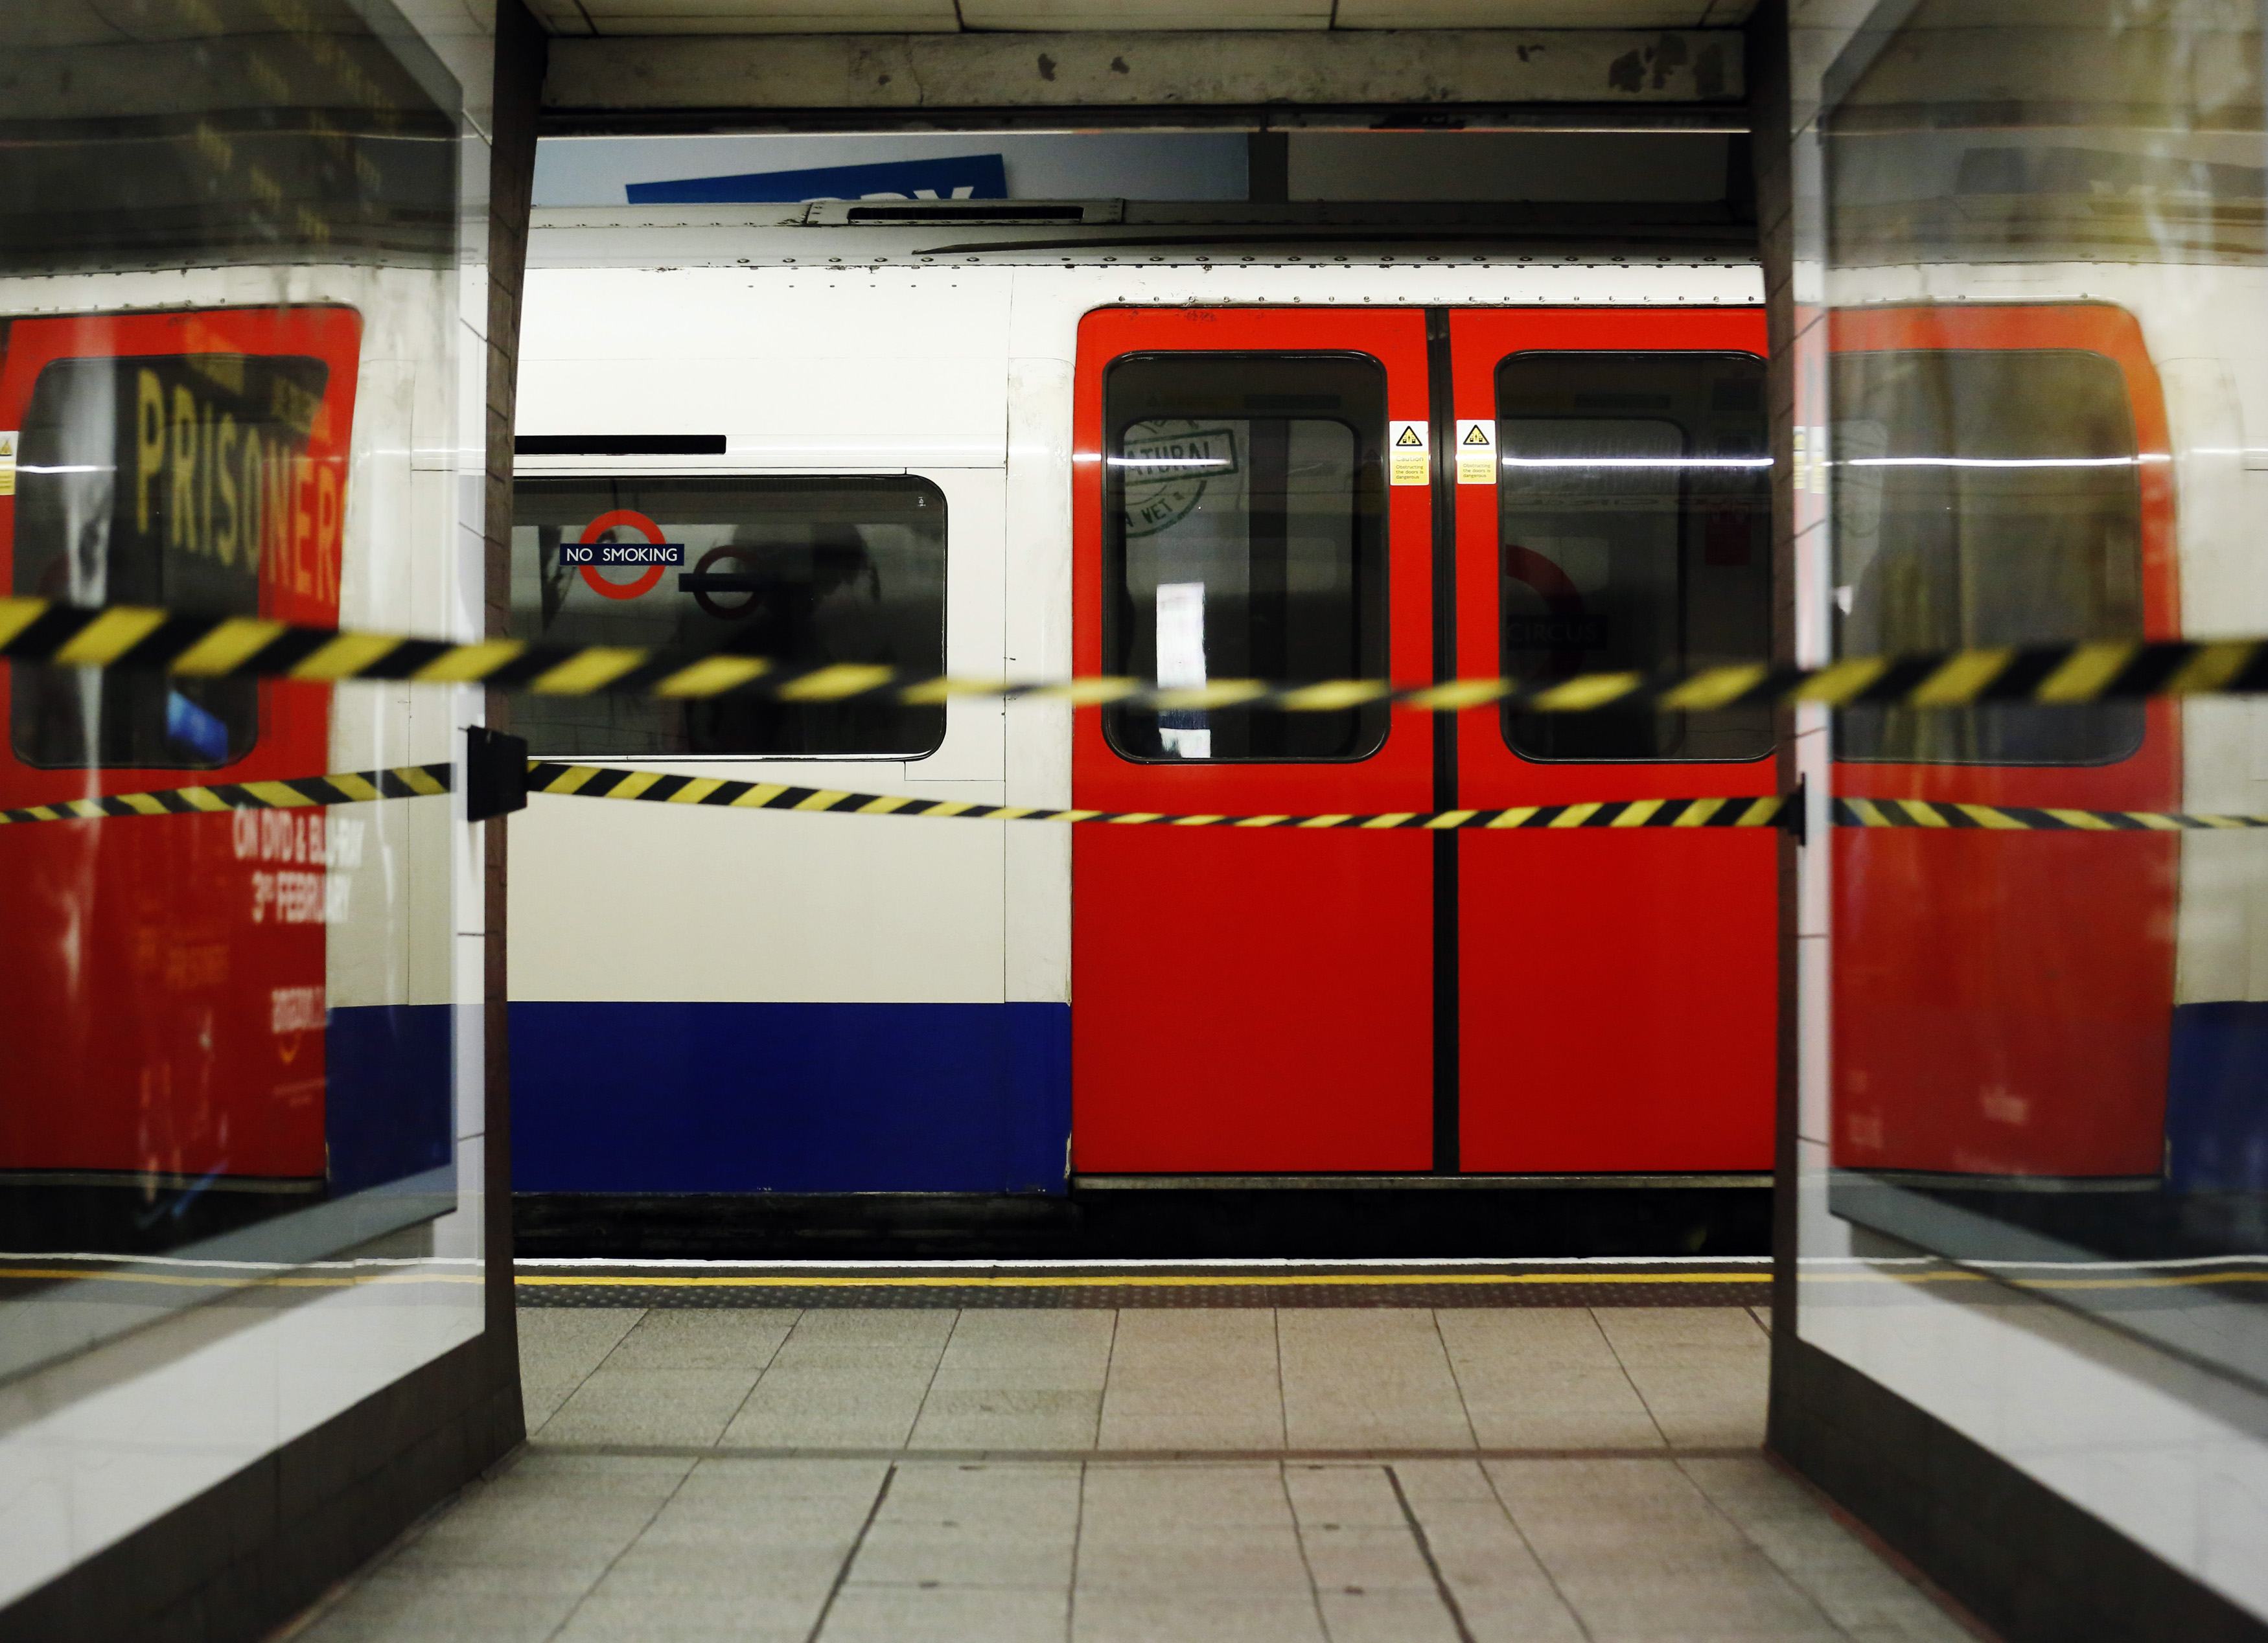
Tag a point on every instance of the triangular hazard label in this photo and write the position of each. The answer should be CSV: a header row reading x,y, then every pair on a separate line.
x,y
1409,436
1476,435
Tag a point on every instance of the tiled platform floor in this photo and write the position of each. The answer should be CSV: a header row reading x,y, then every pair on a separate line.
x,y
1340,1474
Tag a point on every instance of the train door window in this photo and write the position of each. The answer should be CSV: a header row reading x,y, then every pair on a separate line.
x,y
804,572
1244,504
1634,512
169,480
1985,497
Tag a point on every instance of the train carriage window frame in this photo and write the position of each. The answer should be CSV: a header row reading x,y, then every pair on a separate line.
x,y
853,510
1224,397
1989,738
1719,385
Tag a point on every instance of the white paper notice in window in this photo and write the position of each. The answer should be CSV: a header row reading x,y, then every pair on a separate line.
x,y
1180,664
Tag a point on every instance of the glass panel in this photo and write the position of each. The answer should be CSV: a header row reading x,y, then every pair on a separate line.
x,y
2049,1056
1985,497
806,572
1634,506
210,1052
229,1046
1245,538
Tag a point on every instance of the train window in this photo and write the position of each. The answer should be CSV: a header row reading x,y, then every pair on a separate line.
x,y
1245,537
1984,497
1634,507
807,572
177,481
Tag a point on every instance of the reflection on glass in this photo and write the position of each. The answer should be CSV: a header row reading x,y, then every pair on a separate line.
x,y
1985,497
2045,253
1244,539
227,1042
805,572
210,444
1633,502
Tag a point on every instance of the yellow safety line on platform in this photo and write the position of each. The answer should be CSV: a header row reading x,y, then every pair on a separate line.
x,y
281,1280
1141,1280
1388,1280
1132,1280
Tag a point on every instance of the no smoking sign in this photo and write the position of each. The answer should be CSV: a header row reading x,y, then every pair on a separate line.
x,y
622,537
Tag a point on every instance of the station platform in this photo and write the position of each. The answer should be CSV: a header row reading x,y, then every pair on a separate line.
x,y
1270,1451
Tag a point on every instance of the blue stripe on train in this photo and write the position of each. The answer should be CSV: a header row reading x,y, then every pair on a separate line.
x,y
789,1097
386,1093
2217,1098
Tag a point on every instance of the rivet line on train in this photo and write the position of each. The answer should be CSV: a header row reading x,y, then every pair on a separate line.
x,y
144,637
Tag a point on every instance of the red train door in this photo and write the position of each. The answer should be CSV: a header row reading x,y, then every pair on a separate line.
x,y
1252,1001
164,977
1617,990
2002,476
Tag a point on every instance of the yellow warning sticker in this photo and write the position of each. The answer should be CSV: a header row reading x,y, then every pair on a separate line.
x,y
1476,452
7,463
1408,455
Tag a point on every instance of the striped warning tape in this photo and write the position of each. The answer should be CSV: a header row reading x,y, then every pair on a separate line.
x,y
344,787
140,637
2030,818
590,781
593,781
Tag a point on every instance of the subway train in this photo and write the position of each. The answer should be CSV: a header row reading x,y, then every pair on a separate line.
x,y
215,1018
1182,452
911,436
1039,450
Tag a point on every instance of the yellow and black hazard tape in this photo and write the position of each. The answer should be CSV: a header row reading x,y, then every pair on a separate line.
x,y
344,787
597,781
138,637
1870,813
591,781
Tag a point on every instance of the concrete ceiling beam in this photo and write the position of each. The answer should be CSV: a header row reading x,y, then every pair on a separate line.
x,y
901,75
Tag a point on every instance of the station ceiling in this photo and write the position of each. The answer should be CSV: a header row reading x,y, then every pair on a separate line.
x,y
948,16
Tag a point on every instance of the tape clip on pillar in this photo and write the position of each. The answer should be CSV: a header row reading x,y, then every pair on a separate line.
x,y
1795,815
495,773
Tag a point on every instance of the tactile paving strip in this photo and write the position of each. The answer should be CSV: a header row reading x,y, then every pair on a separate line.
x,y
1742,1284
